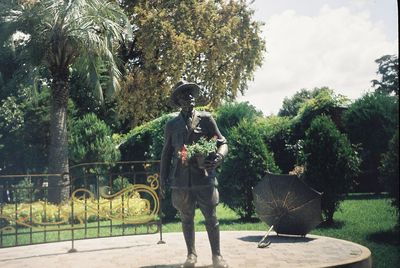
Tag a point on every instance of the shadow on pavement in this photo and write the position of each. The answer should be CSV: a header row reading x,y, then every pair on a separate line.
x,y
172,266
277,239
76,252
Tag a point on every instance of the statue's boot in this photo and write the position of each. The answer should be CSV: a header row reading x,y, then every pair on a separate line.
x,y
190,261
213,237
219,262
189,235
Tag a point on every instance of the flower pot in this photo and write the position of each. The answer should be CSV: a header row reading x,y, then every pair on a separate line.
x,y
200,161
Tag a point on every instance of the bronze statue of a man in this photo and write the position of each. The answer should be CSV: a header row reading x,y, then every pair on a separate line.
x,y
191,184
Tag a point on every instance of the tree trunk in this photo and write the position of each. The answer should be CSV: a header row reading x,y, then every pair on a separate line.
x,y
58,156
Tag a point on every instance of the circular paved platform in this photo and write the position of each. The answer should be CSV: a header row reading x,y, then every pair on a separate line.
x,y
238,248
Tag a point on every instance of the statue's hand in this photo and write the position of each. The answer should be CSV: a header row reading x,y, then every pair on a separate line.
x,y
213,161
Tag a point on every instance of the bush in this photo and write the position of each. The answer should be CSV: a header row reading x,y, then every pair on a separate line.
x,y
323,102
145,143
331,163
389,170
90,141
92,209
229,115
25,191
277,134
245,165
371,121
119,184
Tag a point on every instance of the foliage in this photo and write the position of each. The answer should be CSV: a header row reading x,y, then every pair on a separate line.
x,y
202,147
145,142
11,129
284,133
86,101
371,122
389,170
292,105
119,183
324,102
389,71
230,114
24,191
245,165
11,116
331,163
25,137
61,34
277,135
304,100
216,44
44,212
90,141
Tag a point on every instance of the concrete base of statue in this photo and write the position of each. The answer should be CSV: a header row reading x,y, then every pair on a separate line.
x,y
239,249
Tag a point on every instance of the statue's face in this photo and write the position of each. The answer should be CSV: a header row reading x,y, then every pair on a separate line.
x,y
186,101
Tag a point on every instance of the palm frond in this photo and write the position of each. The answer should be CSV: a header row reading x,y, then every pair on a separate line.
x,y
62,32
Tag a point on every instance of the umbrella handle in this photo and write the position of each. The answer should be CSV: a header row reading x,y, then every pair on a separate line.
x,y
263,243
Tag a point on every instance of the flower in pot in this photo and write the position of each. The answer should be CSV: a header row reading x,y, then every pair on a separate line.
x,y
198,151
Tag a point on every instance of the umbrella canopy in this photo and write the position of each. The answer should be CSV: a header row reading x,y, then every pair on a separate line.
x,y
288,204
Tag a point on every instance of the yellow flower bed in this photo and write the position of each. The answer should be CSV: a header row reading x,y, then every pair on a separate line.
x,y
130,208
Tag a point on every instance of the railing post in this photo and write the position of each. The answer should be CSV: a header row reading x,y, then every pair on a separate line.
x,y
73,249
66,212
160,215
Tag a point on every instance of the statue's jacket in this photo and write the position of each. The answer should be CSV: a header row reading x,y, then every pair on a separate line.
x,y
177,134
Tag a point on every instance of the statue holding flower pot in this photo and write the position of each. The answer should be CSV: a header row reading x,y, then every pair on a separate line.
x,y
200,151
193,148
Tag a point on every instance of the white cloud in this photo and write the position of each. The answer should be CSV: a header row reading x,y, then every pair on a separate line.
x,y
335,48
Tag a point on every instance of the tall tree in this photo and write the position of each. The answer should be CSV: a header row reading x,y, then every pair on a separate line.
x,y
371,121
62,33
216,44
388,69
305,98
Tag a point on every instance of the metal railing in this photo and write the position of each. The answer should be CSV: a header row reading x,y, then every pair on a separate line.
x,y
106,199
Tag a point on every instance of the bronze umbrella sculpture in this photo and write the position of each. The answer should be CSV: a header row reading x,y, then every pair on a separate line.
x,y
287,204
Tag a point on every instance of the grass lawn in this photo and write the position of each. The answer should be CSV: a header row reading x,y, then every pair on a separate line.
x,y
365,219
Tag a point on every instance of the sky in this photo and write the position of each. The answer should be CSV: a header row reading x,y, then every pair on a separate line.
x,y
317,43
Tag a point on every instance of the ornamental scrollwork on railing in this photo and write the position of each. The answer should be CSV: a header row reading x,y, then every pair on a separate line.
x,y
135,204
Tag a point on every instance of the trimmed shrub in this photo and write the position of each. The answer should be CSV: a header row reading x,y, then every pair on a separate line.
x,y
245,165
145,143
277,134
90,141
229,115
331,163
326,102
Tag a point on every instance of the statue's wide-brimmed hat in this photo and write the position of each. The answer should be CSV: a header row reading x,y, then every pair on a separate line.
x,y
184,87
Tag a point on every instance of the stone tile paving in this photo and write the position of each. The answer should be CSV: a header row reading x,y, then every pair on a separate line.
x,y
239,248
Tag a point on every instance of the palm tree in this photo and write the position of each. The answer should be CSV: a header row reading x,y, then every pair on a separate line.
x,y
65,34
